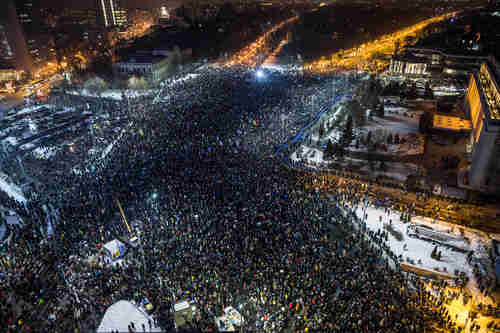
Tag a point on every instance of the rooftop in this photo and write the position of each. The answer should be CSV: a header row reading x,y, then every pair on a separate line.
x,y
408,57
143,59
451,123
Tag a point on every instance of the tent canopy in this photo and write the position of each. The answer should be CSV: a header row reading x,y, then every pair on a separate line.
x,y
119,315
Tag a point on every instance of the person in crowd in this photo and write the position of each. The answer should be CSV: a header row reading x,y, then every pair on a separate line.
x,y
222,220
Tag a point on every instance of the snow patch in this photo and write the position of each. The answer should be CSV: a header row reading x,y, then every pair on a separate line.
x,y
45,153
11,140
115,94
416,249
12,191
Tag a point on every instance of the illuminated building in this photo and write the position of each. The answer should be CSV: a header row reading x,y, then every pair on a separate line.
x,y
483,106
152,63
164,18
451,123
10,75
148,66
164,14
408,66
112,13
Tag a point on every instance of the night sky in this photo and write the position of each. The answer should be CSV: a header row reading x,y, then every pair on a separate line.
x,y
128,3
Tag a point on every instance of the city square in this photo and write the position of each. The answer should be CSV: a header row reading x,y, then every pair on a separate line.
x,y
254,193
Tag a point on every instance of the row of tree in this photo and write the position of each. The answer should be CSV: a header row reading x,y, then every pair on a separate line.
x,y
406,90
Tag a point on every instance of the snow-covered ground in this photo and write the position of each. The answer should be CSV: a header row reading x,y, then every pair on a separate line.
x,y
113,93
181,79
11,140
418,250
406,128
453,241
12,190
32,108
399,121
45,153
310,155
173,82
116,94
119,315
313,157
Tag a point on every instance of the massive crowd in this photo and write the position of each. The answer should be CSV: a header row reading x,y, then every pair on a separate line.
x,y
223,223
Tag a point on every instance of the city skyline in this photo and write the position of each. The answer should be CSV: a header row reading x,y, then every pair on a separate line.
x,y
129,4
248,166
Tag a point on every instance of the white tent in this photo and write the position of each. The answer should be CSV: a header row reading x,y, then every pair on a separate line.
x,y
115,249
119,315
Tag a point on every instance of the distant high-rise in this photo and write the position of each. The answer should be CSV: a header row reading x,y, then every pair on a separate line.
x,y
13,49
29,18
482,103
87,16
112,13
28,15
7,55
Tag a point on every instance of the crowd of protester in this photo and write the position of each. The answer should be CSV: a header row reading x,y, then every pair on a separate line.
x,y
222,221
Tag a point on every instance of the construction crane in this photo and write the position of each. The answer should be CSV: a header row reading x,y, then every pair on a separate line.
x,y
134,239
123,217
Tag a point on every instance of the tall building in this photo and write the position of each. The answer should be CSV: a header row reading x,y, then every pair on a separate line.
x,y
7,55
29,17
483,105
112,13
13,48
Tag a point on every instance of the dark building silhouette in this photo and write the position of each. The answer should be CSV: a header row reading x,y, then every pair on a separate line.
x,y
13,48
29,17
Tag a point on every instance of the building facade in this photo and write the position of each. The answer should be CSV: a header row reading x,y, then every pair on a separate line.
x,y
10,75
148,66
482,103
112,13
408,67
